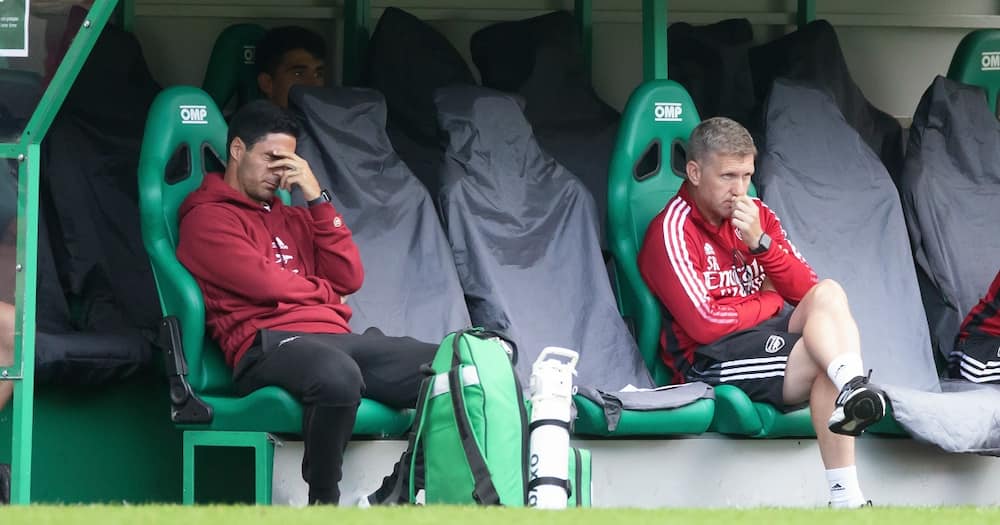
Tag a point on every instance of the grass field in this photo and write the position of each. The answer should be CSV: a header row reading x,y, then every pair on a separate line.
x,y
115,515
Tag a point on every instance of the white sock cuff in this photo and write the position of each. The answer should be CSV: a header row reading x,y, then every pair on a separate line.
x,y
845,367
845,490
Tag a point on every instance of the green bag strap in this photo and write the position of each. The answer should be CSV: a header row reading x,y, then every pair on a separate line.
x,y
484,492
407,463
578,493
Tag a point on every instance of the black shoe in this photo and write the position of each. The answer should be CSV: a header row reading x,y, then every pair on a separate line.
x,y
859,405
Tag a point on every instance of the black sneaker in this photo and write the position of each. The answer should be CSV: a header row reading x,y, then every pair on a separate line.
x,y
859,405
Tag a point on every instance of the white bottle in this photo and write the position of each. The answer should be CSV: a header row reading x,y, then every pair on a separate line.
x,y
551,402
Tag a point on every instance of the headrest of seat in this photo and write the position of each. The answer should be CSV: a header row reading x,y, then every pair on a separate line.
x,y
657,121
660,113
232,67
977,62
185,138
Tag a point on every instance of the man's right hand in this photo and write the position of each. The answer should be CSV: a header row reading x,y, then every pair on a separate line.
x,y
295,171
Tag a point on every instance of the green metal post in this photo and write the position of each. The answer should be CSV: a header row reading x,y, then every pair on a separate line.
x,y
126,15
806,13
583,9
356,17
27,241
654,39
70,67
24,324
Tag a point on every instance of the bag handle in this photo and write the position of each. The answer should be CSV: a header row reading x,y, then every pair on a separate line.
x,y
482,333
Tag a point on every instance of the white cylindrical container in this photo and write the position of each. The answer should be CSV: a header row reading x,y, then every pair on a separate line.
x,y
551,402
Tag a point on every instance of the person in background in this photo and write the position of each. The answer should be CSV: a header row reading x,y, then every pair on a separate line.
x,y
289,56
976,356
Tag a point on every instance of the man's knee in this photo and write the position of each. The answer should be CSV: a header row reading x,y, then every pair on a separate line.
x,y
828,293
335,381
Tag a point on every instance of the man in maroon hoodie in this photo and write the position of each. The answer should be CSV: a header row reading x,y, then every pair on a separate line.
x,y
274,279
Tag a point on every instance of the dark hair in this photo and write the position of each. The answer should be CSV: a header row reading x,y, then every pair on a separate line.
x,y
280,40
257,119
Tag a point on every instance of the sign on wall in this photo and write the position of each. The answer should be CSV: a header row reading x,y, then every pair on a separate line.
x,y
14,28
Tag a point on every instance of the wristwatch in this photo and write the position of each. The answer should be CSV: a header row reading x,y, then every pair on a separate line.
x,y
324,196
763,245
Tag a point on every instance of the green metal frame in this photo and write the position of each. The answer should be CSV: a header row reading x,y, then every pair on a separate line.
x,y
28,151
125,15
654,40
806,12
583,10
263,458
357,14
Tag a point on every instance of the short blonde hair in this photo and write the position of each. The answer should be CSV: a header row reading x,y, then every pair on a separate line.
x,y
722,136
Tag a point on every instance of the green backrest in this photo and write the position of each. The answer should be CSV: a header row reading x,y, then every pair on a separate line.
x,y
232,67
184,130
977,62
658,114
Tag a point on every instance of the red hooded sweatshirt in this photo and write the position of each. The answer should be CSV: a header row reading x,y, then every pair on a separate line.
x,y
266,266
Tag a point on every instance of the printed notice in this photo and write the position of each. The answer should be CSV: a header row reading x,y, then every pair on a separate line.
x,y
14,28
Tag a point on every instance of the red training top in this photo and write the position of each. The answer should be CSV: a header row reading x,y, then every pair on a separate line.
x,y
708,280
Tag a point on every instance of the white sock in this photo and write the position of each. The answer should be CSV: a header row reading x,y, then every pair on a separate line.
x,y
845,491
845,367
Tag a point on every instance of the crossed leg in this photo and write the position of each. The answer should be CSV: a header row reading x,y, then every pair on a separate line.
x,y
829,331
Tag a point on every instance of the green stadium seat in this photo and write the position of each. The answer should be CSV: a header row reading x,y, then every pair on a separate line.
x,y
232,67
658,116
184,139
977,62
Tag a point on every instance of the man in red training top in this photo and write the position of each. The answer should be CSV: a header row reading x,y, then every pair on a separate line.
x,y
720,263
977,348
273,278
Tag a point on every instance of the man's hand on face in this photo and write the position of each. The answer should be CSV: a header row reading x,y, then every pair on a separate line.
x,y
746,218
295,171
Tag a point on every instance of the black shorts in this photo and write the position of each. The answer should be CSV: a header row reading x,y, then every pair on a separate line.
x,y
753,360
976,359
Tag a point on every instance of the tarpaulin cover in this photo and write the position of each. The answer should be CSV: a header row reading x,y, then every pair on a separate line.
x,y
713,65
541,59
407,61
951,198
523,231
812,56
411,286
839,206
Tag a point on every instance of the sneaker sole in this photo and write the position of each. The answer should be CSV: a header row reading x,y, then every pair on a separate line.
x,y
860,412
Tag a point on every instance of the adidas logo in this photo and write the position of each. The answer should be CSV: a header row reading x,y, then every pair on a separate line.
x,y
837,486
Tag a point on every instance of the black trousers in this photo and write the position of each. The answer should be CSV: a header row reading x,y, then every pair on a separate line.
x,y
329,374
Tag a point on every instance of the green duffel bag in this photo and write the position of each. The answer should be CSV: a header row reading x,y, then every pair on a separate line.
x,y
471,428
